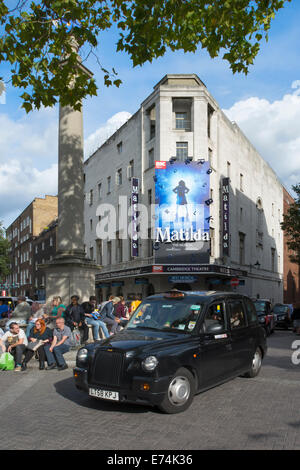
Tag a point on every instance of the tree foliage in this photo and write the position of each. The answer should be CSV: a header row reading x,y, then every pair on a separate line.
x,y
36,35
291,227
4,254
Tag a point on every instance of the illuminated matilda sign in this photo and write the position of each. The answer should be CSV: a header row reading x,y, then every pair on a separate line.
x,y
181,235
225,216
182,212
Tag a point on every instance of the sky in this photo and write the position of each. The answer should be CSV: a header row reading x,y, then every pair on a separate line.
x,y
265,104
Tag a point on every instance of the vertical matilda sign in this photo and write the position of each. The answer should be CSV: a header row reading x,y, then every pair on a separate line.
x,y
182,212
225,212
134,208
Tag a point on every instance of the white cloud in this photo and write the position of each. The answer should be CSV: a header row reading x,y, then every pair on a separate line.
x,y
273,128
97,138
21,184
28,157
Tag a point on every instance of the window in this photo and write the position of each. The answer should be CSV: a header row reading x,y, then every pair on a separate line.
x,y
250,311
99,190
241,182
152,118
151,158
108,185
212,241
237,317
210,157
109,253
181,120
119,249
92,252
150,243
210,111
99,251
119,177
181,150
51,241
242,237
120,147
228,169
130,169
149,197
91,224
273,259
43,245
241,214
214,317
91,197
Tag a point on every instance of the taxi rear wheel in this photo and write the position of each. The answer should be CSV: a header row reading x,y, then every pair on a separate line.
x,y
180,393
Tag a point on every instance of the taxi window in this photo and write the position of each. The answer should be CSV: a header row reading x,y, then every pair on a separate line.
x,y
214,316
237,317
251,312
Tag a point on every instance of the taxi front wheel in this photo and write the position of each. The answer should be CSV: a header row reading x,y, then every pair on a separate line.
x,y
180,393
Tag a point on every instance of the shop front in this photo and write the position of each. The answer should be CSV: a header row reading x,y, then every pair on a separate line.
x,y
138,283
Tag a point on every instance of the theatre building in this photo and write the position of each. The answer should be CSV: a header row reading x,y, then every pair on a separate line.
x,y
213,205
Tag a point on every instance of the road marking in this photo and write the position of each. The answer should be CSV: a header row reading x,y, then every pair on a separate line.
x,y
17,389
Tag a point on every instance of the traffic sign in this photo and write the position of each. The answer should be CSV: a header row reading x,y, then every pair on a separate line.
x,y
234,282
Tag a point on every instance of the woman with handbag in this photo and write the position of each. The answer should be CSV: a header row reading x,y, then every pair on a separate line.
x,y
39,336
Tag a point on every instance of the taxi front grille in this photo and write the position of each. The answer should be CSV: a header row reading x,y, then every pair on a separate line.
x,y
108,368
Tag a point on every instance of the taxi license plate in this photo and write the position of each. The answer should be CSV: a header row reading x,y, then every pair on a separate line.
x,y
104,394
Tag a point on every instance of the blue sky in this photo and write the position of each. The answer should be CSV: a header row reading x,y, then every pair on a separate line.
x,y
262,100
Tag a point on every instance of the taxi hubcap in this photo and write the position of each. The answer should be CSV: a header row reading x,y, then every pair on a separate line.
x,y
256,361
179,390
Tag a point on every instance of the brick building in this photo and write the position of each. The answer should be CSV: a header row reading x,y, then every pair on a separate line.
x,y
44,250
21,234
291,271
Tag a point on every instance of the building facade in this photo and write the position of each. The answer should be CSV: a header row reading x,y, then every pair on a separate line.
x,y
22,234
181,121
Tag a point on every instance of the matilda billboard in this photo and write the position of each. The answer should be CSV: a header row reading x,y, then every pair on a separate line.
x,y
182,212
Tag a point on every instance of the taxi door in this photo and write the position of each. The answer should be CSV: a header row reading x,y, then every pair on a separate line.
x,y
242,335
215,362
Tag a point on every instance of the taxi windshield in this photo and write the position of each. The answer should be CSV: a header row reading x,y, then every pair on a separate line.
x,y
166,314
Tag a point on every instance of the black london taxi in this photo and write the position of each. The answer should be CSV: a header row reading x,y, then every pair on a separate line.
x,y
175,345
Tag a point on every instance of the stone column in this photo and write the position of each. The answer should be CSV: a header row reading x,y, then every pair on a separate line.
x,y
70,272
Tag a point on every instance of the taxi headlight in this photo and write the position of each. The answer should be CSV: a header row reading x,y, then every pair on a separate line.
x,y
82,355
149,363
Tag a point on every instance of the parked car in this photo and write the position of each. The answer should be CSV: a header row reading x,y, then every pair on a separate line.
x,y
283,315
175,345
265,315
296,318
